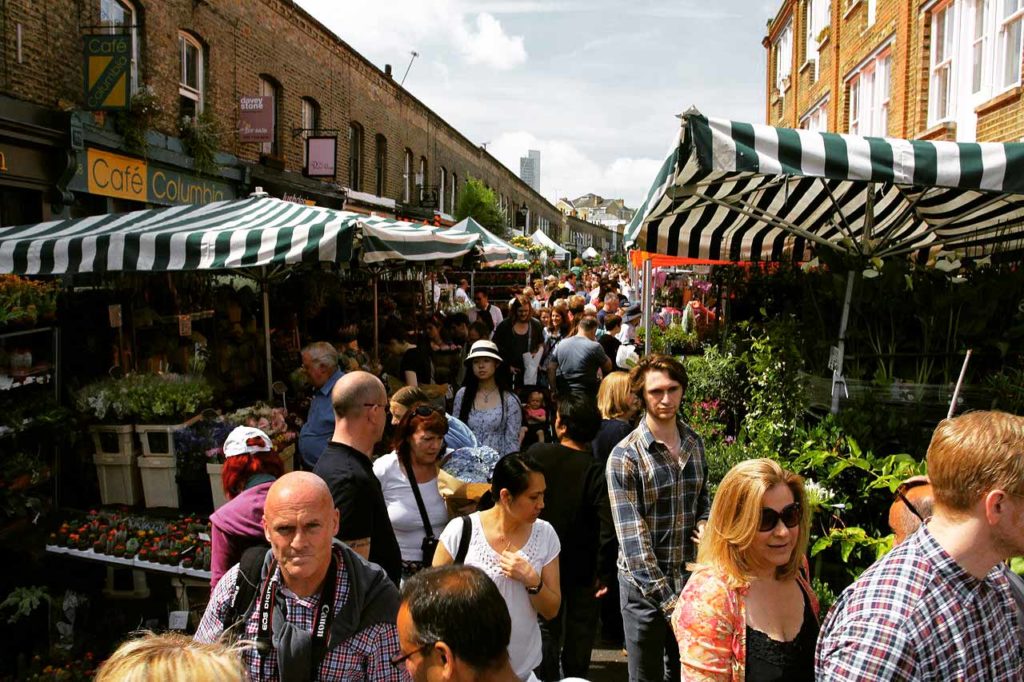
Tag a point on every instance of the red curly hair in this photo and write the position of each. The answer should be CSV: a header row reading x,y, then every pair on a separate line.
x,y
239,469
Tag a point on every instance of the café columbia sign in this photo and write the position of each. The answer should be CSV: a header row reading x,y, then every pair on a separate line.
x,y
256,119
108,71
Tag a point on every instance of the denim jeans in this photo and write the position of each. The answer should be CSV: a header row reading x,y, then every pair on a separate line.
x,y
650,642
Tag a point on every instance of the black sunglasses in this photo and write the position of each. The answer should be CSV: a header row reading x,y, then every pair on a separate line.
x,y
425,411
790,515
398,660
901,496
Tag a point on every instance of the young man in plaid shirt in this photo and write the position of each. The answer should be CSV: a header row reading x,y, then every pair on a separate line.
x,y
657,486
940,606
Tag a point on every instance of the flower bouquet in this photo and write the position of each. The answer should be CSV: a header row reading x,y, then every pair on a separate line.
x,y
464,477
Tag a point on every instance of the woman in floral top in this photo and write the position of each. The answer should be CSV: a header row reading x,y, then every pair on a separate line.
x,y
748,611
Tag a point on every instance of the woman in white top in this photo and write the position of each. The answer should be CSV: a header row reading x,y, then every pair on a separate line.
x,y
517,550
418,442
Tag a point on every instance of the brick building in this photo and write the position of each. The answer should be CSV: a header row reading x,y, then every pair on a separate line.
x,y
394,155
916,69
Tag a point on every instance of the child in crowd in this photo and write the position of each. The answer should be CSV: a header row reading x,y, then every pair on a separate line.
x,y
536,426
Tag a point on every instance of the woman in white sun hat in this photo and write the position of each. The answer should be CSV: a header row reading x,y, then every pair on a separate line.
x,y
491,411
250,467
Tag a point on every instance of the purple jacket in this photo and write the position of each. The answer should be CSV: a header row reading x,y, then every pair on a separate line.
x,y
235,527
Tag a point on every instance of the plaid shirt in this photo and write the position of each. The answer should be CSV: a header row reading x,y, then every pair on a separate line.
x,y
365,655
657,501
917,615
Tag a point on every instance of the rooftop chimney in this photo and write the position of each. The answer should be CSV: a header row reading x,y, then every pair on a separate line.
x,y
387,70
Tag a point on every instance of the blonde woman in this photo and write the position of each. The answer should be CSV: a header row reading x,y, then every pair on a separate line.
x,y
172,657
619,407
748,611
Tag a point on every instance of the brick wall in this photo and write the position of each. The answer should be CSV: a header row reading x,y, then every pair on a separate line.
x,y
243,39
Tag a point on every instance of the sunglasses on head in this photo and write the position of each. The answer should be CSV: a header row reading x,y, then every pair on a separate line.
x,y
900,494
425,411
790,515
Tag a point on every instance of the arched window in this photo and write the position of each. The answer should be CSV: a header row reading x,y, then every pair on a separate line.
x,y
190,82
421,177
355,156
381,184
455,192
310,122
442,186
270,88
120,16
407,178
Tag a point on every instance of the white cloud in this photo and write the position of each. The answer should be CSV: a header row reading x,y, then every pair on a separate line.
x,y
489,45
567,171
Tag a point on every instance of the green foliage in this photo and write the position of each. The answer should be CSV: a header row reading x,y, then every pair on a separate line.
x,y
826,595
24,600
140,117
144,398
715,377
673,339
777,398
199,136
479,202
1008,387
24,301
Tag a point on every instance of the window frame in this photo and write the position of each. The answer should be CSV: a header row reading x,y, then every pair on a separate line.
x,y
133,31
442,188
1004,25
196,94
422,177
816,115
355,156
869,95
380,156
946,65
783,46
269,87
819,17
309,117
408,177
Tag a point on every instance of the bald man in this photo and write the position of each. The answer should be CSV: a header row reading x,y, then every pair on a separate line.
x,y
319,611
911,507
360,414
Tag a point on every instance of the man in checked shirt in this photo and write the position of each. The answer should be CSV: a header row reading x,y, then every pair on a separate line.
x,y
940,606
657,486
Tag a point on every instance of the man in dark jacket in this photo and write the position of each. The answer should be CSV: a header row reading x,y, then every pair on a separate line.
x,y
577,506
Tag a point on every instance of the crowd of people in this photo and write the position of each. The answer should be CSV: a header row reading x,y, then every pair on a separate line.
x,y
598,522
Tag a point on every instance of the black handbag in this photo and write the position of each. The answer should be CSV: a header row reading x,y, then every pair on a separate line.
x,y
430,542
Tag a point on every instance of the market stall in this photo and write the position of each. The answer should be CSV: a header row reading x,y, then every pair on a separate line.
x,y
545,241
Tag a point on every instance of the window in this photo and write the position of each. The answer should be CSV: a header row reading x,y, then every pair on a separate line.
x,y
441,189
119,16
455,191
979,45
355,156
817,118
421,176
270,88
819,17
869,97
310,122
1011,12
190,85
407,179
872,12
941,81
784,58
381,160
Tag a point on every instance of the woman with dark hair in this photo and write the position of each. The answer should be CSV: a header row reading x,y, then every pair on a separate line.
x,y
517,550
418,443
490,410
250,467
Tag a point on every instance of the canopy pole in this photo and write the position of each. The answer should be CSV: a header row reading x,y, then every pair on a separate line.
x,y
959,385
265,285
838,381
648,304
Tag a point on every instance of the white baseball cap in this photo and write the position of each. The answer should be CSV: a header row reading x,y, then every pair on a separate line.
x,y
246,440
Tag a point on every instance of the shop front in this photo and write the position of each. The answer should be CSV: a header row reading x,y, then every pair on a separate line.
x,y
32,143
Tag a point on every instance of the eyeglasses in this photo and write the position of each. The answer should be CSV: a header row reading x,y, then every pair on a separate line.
x,y
900,495
425,411
790,515
398,660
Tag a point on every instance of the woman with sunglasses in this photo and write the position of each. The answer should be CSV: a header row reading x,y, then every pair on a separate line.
x,y
748,612
417,514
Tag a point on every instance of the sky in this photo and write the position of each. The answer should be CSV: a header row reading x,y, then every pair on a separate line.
x,y
595,85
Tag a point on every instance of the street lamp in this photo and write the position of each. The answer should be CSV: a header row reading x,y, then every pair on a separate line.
x,y
523,212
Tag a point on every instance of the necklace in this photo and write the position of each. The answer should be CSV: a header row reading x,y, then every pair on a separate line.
x,y
485,396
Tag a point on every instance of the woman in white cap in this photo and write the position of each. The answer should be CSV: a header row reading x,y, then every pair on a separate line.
x,y
491,411
250,467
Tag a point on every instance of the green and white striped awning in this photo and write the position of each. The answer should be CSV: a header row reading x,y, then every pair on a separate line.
x,y
385,239
225,234
493,249
738,191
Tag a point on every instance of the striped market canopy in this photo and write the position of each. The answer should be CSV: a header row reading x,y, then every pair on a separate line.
x,y
225,234
384,239
743,192
493,249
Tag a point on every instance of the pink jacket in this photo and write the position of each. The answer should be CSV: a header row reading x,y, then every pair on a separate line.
x,y
710,623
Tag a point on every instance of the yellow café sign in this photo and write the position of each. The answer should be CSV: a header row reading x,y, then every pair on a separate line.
x,y
124,177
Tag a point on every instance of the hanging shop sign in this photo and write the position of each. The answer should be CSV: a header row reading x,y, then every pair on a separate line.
x,y
107,65
256,119
321,155
113,175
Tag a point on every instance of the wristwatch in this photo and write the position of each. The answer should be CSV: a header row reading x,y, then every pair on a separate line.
x,y
537,589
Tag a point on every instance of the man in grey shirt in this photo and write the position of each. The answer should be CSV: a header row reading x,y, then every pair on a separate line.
x,y
576,360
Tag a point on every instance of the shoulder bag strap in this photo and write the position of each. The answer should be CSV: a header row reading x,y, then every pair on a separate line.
x,y
467,534
419,498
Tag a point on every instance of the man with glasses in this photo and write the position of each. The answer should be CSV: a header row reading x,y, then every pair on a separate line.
x,y
486,313
657,485
314,608
940,606
435,641
360,410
